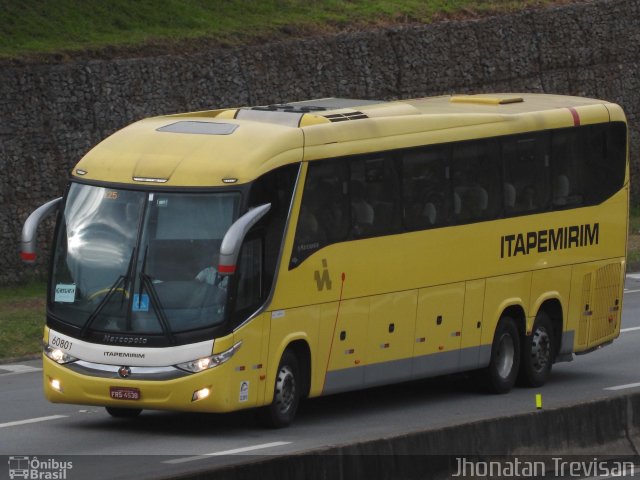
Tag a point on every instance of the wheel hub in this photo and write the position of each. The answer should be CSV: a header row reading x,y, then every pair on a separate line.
x,y
540,349
285,389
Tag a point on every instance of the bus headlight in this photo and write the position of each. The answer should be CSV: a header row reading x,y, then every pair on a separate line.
x,y
58,355
204,363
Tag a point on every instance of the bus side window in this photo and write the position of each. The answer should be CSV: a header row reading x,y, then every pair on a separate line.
x,y
566,157
374,191
275,188
426,198
604,161
324,213
249,276
526,173
476,180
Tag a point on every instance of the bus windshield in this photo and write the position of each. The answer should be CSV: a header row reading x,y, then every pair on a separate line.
x,y
138,262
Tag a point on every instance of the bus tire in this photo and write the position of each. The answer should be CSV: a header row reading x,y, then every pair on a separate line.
x,y
537,353
501,374
117,412
286,393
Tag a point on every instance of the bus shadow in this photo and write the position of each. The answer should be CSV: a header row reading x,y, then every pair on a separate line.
x,y
417,393
176,423
464,388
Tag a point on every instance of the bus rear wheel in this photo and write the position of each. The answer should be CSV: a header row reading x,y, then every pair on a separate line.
x,y
537,353
502,372
123,412
286,393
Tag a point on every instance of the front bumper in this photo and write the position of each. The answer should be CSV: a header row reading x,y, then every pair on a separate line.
x,y
170,394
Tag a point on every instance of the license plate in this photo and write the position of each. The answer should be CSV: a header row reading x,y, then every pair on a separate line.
x,y
124,393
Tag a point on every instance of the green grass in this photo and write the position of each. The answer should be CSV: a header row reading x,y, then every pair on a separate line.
x,y
22,314
30,27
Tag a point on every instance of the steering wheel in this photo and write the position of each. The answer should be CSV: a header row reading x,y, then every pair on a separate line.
x,y
105,291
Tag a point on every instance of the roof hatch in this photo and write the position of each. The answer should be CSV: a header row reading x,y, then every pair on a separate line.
x,y
485,100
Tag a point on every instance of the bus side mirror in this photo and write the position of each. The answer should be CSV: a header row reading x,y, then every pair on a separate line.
x,y
232,241
28,252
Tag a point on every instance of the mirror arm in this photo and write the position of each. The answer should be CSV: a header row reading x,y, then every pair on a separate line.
x,y
28,252
232,241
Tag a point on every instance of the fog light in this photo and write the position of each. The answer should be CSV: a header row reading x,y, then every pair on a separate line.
x,y
55,384
200,394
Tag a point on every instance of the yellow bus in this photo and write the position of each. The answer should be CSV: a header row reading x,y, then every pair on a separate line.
x,y
252,257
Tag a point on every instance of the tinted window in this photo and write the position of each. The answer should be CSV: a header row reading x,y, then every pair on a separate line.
x,y
587,164
604,161
476,181
374,191
325,211
426,190
465,182
526,173
249,276
566,155
276,188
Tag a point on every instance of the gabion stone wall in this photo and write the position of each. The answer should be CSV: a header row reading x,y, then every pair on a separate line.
x,y
51,115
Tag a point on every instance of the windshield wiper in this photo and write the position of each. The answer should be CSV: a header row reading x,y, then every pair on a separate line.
x,y
143,272
146,282
122,279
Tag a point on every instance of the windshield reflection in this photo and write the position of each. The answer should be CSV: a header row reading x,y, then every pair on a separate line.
x,y
101,230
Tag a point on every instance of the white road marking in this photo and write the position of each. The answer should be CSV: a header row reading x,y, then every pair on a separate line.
x,y
16,369
631,291
31,420
227,452
634,276
631,329
624,387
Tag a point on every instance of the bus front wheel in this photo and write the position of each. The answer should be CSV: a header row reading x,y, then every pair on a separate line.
x,y
123,412
502,372
537,353
286,393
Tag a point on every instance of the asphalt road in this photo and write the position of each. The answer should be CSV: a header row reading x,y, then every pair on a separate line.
x,y
160,444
